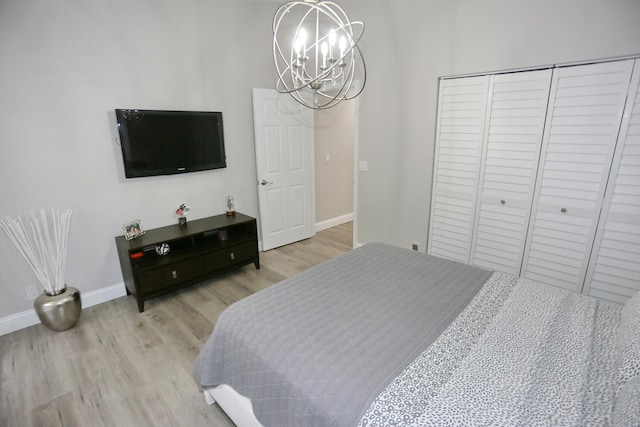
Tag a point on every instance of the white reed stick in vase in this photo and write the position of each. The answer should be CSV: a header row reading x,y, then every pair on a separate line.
x,y
40,247
15,231
37,233
45,247
64,244
18,235
41,232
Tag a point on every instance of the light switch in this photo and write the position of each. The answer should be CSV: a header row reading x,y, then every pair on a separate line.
x,y
363,166
327,158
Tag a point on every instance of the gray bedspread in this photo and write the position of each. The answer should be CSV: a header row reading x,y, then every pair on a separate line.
x,y
318,348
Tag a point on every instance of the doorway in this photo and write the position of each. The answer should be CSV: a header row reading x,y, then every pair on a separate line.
x,y
334,158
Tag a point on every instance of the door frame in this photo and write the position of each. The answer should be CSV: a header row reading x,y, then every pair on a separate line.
x,y
356,169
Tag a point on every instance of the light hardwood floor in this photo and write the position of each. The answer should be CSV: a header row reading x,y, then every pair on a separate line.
x,y
118,367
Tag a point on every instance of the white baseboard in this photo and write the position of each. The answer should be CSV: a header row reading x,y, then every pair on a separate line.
x,y
323,225
18,321
99,296
28,318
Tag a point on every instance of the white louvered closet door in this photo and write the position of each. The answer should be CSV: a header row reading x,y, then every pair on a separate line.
x,y
583,119
614,271
515,125
460,129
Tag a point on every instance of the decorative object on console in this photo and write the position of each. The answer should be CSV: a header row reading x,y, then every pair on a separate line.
x,y
162,249
231,206
327,68
182,213
43,243
133,229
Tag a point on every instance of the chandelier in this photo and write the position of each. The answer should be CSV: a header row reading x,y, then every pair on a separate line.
x,y
316,53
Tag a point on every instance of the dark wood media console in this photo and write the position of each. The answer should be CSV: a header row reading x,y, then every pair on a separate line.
x,y
198,250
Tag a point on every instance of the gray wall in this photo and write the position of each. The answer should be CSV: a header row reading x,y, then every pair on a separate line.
x,y
65,66
409,44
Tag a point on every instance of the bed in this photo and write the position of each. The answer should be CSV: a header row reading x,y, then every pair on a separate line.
x,y
386,336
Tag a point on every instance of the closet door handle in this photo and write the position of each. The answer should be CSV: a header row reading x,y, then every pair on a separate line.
x,y
563,210
502,202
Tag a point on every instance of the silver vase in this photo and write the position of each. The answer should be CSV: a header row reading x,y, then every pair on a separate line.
x,y
59,311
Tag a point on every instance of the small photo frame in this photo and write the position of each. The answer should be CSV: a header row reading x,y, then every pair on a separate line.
x,y
133,229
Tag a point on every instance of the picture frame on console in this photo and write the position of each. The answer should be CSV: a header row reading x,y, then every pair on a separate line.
x,y
133,229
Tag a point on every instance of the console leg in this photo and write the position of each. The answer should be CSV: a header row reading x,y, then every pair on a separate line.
x,y
257,263
140,304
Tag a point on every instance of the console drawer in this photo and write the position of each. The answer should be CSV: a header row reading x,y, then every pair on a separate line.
x,y
230,256
160,278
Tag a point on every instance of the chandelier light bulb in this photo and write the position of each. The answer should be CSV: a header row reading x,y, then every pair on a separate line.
x,y
343,45
305,35
332,43
302,37
325,50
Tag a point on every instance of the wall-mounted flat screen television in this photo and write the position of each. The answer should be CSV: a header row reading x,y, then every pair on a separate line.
x,y
158,142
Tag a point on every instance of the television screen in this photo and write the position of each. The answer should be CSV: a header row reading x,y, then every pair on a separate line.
x,y
170,142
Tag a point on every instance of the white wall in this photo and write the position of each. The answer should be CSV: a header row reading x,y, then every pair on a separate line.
x,y
66,65
409,44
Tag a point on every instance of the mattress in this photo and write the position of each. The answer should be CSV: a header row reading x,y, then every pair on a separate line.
x,y
385,336
318,348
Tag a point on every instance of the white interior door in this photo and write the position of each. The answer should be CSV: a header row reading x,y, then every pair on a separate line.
x,y
285,170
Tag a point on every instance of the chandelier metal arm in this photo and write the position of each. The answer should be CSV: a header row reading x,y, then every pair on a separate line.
x,y
313,72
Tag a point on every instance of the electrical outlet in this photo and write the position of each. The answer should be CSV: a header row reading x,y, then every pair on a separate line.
x,y
415,246
32,292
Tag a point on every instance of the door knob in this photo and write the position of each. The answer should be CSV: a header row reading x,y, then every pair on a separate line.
x,y
265,182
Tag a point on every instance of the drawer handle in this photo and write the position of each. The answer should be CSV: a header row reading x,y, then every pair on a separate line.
x,y
174,274
563,210
233,256
502,202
